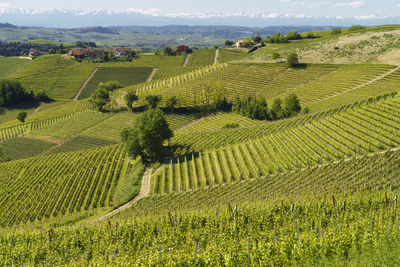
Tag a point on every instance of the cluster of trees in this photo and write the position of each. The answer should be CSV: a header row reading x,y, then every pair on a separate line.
x,y
147,136
9,49
101,96
169,51
258,108
83,44
279,38
12,93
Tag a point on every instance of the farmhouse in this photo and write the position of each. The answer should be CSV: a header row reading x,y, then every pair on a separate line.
x,y
182,49
87,52
121,52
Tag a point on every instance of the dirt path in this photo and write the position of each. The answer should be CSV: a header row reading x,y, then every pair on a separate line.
x,y
358,86
86,82
144,191
44,138
152,75
216,56
187,60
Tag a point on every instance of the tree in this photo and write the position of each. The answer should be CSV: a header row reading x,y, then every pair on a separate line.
x,y
292,60
247,42
229,43
52,51
257,38
336,31
291,105
153,101
100,98
293,35
276,109
12,92
146,137
22,116
130,97
168,51
105,58
171,102
110,85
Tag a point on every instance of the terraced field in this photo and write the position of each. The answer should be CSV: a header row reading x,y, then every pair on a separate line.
x,y
312,84
339,134
9,65
201,58
43,187
124,75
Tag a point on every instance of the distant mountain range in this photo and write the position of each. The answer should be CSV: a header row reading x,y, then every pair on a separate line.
x,y
143,36
65,18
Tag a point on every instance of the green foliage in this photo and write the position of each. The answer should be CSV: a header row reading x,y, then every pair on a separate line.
x,y
336,31
12,92
110,85
147,136
293,35
78,181
291,105
153,101
276,109
171,103
292,60
277,38
247,42
130,182
229,43
168,51
356,27
22,116
100,98
130,98
275,55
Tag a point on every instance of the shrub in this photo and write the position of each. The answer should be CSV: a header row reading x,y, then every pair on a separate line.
x,y
275,55
356,27
292,60
336,31
22,116
230,125
153,100
130,97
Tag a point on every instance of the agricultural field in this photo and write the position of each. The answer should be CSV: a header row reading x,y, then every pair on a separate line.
x,y
77,181
124,75
201,58
9,65
317,187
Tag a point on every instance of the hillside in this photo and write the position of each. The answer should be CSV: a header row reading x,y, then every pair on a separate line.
x,y
315,187
371,45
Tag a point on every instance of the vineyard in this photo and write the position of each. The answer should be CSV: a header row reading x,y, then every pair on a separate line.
x,y
316,188
265,80
43,187
124,75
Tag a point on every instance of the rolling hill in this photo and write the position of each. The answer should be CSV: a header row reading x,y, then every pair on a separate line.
x,y
317,188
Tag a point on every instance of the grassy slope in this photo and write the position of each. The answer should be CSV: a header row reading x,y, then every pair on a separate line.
x,y
372,45
8,65
124,75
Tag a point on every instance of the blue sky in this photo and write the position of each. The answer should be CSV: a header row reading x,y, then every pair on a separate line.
x,y
314,8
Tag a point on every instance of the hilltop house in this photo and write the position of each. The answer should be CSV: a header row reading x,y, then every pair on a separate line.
x,y
34,52
182,49
87,52
244,43
121,52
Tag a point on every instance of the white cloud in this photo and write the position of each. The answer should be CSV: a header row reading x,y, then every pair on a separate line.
x,y
5,5
355,4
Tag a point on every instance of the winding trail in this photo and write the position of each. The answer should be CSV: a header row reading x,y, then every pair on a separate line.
x,y
144,191
86,82
187,60
216,56
152,75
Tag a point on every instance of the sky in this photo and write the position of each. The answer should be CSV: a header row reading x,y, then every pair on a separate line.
x,y
76,13
315,8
